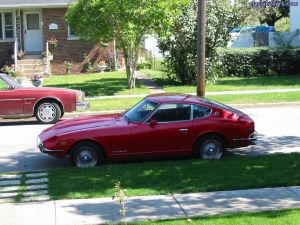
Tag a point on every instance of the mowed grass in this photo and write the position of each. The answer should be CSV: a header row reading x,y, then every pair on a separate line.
x,y
122,104
280,217
184,176
96,84
228,83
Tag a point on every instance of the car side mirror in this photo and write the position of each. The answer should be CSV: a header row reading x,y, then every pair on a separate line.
x,y
153,123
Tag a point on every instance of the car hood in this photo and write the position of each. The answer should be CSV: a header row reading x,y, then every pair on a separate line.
x,y
83,123
46,89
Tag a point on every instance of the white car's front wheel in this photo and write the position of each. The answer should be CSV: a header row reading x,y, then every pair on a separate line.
x,y
48,112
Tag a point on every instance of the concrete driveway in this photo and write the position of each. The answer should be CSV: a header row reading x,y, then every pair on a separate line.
x,y
278,128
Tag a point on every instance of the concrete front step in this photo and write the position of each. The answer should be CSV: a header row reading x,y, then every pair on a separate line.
x,y
32,67
30,61
32,57
29,72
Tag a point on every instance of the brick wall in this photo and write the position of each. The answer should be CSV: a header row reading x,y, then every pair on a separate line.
x,y
69,50
6,50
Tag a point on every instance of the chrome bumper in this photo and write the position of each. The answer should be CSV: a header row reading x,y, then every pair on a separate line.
x,y
82,106
252,139
47,151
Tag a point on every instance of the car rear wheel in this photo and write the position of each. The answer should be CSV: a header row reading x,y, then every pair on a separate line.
x,y
86,155
48,112
210,147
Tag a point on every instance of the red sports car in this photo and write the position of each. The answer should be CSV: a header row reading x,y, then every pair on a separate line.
x,y
48,105
159,125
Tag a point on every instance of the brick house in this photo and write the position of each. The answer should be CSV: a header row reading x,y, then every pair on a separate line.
x,y
28,25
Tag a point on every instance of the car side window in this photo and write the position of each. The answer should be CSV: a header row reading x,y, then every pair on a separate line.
x,y
200,111
3,85
172,113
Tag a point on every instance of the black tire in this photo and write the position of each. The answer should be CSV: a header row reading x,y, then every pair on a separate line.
x,y
48,112
210,147
86,155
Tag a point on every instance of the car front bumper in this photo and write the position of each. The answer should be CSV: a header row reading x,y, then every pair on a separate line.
x,y
82,106
56,153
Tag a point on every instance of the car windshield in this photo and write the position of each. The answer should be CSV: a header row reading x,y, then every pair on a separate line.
x,y
11,81
140,111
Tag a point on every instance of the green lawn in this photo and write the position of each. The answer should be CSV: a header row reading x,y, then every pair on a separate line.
x,y
121,104
228,84
185,176
96,84
282,217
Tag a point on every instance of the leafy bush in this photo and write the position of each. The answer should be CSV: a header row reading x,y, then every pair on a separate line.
x,y
180,48
68,66
258,62
9,70
283,25
144,65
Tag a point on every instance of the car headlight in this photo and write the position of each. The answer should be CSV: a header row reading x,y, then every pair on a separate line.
x,y
39,142
80,96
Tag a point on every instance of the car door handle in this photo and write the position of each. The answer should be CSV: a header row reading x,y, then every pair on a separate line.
x,y
184,130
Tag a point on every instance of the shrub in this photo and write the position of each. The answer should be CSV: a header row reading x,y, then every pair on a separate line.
x,y
144,65
9,70
258,62
88,67
68,66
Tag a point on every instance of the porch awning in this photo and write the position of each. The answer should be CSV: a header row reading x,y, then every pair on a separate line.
x,y
34,3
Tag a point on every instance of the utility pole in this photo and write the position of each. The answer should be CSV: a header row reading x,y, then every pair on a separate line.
x,y
201,48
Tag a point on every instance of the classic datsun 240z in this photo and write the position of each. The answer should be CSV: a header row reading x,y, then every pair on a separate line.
x,y
159,125
48,105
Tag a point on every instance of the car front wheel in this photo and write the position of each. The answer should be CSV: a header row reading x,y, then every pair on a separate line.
x,y
85,155
210,147
48,113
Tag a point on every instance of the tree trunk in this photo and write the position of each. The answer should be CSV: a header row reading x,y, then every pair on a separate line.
x,y
130,62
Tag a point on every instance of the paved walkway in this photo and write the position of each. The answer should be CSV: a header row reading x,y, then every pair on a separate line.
x,y
207,93
149,83
101,211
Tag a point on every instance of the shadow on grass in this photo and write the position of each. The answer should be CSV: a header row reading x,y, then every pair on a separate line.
x,y
99,87
185,176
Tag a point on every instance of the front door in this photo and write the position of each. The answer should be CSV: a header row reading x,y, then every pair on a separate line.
x,y
33,35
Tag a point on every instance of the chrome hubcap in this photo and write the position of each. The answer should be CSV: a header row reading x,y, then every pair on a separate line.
x,y
211,149
47,112
86,158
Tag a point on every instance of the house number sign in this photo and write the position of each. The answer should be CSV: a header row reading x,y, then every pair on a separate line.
x,y
53,26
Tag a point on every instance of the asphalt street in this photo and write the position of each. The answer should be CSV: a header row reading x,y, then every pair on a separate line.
x,y
278,128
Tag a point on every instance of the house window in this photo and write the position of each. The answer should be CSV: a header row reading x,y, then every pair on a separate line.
x,y
6,26
71,34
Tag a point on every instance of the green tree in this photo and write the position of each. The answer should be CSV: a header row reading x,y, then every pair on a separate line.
x,y
125,20
180,47
269,14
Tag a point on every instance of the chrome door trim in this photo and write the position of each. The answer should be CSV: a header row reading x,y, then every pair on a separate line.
x,y
5,100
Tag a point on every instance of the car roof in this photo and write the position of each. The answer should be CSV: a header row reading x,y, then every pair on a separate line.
x,y
176,98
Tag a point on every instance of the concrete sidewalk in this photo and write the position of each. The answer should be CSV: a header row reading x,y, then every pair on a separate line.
x,y
207,93
101,211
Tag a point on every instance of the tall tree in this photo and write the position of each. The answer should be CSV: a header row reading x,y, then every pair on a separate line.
x,y
270,14
125,20
180,47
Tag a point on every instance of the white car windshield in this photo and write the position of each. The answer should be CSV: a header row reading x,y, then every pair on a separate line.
x,y
140,111
11,82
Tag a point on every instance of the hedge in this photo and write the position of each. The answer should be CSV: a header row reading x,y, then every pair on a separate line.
x,y
258,62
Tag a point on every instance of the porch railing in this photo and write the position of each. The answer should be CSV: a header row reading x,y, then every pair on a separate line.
x,y
47,71
16,55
